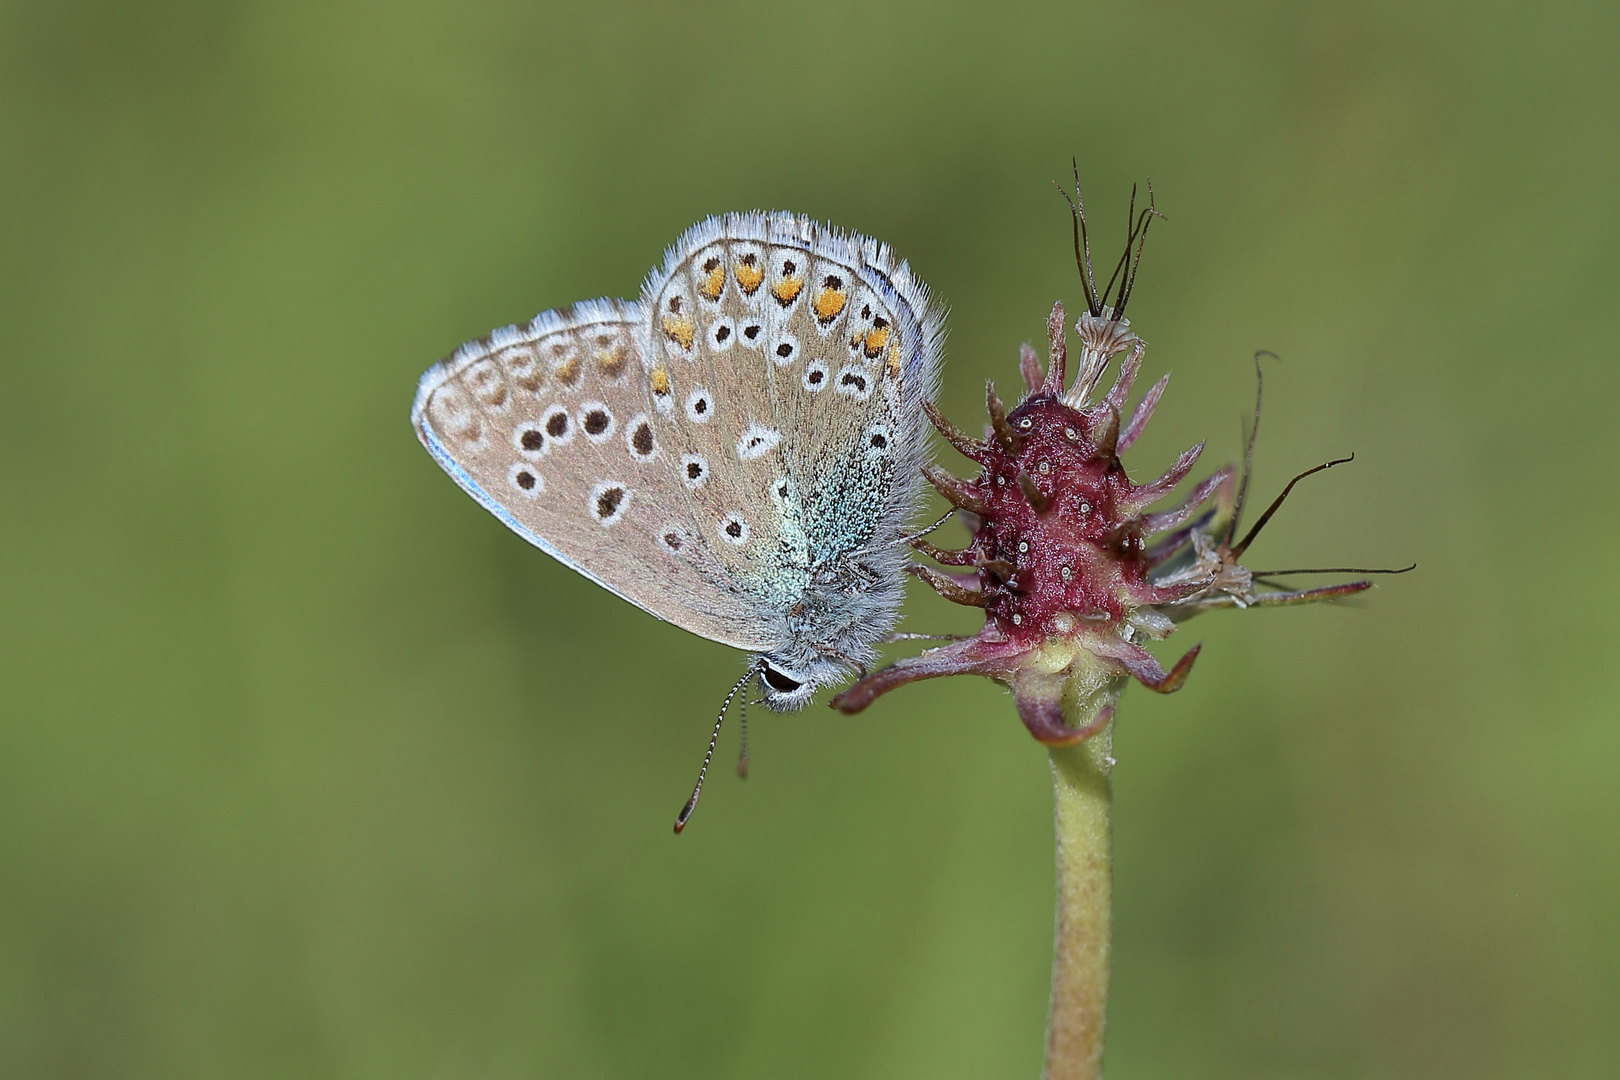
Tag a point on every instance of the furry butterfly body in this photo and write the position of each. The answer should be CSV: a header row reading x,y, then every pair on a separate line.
x,y
737,452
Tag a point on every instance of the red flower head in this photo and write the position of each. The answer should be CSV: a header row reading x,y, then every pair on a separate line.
x,y
1072,565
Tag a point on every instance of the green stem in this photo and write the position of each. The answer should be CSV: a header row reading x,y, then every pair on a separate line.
x,y
1084,823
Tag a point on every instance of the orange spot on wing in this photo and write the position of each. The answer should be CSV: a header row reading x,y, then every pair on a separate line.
x,y
787,290
568,371
610,362
712,281
829,303
681,330
893,366
749,274
876,339
660,382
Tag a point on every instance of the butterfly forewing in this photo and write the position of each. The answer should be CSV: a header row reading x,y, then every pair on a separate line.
x,y
551,427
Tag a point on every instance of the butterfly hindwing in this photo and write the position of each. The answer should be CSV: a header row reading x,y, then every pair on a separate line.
x,y
821,349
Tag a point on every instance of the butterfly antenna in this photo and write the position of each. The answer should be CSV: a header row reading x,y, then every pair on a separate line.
x,y
708,756
1242,545
742,752
1077,210
1248,450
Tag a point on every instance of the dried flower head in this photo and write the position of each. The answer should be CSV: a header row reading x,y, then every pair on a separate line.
x,y
1070,561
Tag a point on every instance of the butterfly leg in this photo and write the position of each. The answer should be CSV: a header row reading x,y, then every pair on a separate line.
x,y
835,654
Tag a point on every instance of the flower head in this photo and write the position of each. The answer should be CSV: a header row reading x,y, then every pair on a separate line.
x,y
1071,562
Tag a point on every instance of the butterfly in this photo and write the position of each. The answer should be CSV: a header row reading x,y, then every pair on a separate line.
x,y
738,452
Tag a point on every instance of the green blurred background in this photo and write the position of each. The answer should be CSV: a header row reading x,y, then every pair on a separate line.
x,y
310,768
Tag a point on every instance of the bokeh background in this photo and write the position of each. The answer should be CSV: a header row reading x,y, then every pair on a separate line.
x,y
309,768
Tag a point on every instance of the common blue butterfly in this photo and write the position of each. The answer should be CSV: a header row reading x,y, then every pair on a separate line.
x,y
737,452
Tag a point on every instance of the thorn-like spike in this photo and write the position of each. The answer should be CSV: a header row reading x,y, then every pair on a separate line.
x,y
971,656
1178,674
964,443
1142,414
1148,494
998,420
1058,356
954,490
1309,596
1029,366
1038,501
1184,510
949,588
1044,719
1129,284
941,555
1121,390
1176,542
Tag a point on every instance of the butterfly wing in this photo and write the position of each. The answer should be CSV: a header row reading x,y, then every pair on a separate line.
x,y
799,356
550,427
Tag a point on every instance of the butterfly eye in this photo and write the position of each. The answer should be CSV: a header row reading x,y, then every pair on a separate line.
x,y
780,682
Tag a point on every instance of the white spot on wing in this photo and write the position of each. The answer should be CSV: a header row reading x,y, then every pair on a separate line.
x,y
597,416
607,502
552,426
524,479
722,335
757,441
815,376
854,380
734,530
700,406
694,470
530,441
633,433
784,349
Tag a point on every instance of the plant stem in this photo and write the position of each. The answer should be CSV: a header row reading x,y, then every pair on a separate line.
x,y
1084,824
